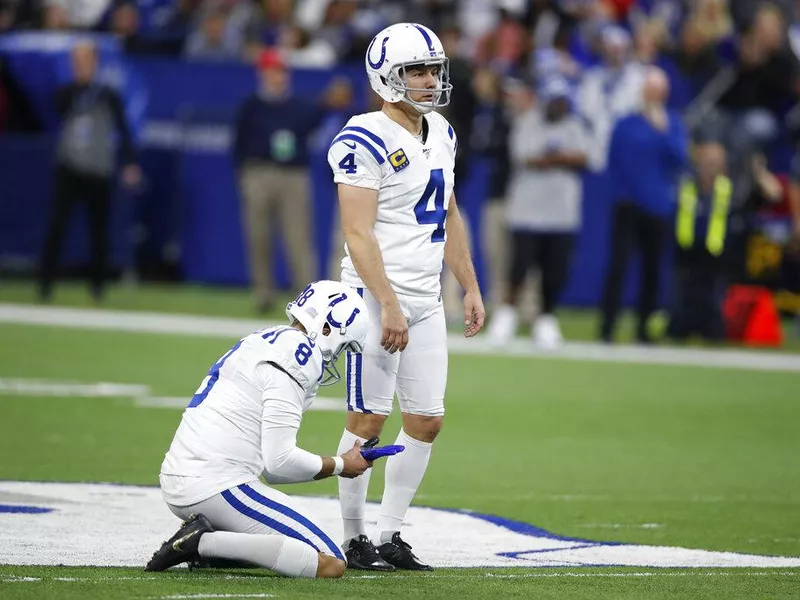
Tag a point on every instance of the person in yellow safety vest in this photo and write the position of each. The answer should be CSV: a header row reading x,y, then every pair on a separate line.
x,y
701,226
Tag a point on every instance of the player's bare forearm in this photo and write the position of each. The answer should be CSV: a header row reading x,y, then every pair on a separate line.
x,y
456,250
353,464
327,468
368,261
570,160
458,258
558,160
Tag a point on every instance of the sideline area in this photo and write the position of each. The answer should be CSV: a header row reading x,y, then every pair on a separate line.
x,y
153,322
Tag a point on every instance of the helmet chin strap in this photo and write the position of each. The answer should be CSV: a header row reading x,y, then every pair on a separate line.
x,y
422,109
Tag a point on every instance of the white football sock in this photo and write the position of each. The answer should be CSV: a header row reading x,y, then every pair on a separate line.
x,y
352,493
278,553
404,473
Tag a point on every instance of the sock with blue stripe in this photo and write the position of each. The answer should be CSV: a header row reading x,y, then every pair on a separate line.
x,y
352,493
278,553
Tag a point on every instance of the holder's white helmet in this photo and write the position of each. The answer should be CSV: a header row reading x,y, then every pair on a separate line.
x,y
340,308
399,47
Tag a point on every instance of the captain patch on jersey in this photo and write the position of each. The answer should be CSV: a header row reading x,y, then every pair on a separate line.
x,y
398,160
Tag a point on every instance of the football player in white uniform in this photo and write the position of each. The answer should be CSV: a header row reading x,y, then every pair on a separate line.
x,y
242,423
394,170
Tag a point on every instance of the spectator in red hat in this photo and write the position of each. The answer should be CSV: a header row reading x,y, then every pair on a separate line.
x,y
271,154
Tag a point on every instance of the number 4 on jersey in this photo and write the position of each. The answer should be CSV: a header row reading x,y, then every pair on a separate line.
x,y
438,214
348,163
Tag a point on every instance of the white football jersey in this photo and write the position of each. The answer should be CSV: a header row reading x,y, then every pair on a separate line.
x,y
218,444
414,181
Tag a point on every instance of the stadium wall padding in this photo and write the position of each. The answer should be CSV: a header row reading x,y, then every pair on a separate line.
x,y
190,199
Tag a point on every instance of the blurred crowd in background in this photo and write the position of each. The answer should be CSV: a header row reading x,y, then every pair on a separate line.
x,y
684,109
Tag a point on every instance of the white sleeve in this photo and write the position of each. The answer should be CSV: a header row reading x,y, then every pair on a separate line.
x,y
282,401
356,161
577,140
526,140
590,99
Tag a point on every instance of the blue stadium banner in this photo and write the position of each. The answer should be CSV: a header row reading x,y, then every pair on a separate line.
x,y
40,62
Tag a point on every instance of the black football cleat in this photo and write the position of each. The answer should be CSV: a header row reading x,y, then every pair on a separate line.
x,y
181,547
362,554
398,553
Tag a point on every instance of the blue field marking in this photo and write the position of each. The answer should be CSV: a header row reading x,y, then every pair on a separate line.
x,y
24,510
520,553
522,527
538,555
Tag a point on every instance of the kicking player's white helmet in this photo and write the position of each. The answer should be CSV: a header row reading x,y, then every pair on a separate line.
x,y
399,47
345,313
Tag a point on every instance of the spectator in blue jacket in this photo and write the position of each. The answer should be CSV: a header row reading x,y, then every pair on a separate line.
x,y
272,156
648,152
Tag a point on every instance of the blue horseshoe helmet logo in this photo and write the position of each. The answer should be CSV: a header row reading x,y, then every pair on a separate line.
x,y
377,65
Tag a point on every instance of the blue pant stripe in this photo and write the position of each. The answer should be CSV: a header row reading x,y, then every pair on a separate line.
x,y
359,393
293,514
359,358
264,519
349,384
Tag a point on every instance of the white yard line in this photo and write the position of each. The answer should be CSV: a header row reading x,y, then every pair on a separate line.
x,y
321,403
545,573
684,573
140,393
194,576
149,322
64,389
529,575
181,596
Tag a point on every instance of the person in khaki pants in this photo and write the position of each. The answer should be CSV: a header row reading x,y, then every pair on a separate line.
x,y
271,153
276,196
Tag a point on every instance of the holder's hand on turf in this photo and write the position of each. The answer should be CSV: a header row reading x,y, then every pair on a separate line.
x,y
354,463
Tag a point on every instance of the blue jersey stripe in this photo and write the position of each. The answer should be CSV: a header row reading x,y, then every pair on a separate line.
x,y
275,333
369,134
293,514
428,39
450,131
363,142
213,373
264,519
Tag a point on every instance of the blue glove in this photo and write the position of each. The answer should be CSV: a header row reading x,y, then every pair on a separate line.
x,y
371,454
